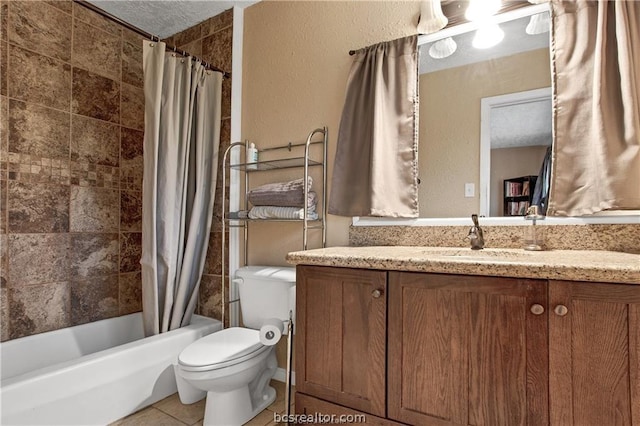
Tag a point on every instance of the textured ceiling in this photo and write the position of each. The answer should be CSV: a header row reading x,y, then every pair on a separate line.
x,y
523,124
166,17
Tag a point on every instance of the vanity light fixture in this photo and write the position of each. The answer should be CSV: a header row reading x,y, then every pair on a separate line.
x,y
479,10
487,36
443,48
431,17
538,24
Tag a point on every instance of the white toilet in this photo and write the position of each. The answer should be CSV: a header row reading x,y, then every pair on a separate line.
x,y
231,367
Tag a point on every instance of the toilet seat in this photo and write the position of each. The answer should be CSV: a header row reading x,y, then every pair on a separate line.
x,y
222,349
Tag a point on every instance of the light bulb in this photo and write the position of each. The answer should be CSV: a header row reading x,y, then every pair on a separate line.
x,y
487,36
538,24
481,9
443,48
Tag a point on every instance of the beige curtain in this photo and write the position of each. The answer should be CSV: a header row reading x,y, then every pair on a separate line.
x,y
375,170
181,143
596,158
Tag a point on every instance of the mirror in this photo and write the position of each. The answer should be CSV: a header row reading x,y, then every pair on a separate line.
x,y
461,171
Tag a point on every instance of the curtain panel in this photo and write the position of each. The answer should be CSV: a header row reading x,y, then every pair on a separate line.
x,y
181,143
375,169
596,90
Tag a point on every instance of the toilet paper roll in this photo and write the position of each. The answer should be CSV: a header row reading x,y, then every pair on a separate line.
x,y
271,331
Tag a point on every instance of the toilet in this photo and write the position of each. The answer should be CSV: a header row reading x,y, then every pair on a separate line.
x,y
231,367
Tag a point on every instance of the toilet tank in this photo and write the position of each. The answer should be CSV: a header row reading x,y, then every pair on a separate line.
x,y
266,292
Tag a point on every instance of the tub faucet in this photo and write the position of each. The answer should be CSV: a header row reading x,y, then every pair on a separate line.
x,y
475,235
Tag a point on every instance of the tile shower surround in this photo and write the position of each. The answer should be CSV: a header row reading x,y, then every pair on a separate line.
x,y
71,139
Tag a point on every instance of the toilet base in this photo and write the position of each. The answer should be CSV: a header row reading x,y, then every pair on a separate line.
x,y
235,407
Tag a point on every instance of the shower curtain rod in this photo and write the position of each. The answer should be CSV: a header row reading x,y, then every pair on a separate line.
x,y
150,36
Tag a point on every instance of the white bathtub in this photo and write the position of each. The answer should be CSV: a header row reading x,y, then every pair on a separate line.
x,y
91,374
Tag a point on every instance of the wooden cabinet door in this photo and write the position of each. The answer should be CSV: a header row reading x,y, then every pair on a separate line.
x,y
594,357
467,350
341,336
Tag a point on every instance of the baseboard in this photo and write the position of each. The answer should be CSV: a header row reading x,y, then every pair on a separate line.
x,y
281,376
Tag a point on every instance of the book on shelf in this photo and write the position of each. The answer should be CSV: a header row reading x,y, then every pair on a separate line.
x,y
513,189
517,208
525,187
522,207
512,208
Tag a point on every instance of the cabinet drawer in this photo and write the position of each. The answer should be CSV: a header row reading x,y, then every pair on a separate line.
x,y
309,405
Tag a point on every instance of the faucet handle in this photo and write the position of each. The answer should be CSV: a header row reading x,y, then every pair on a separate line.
x,y
474,218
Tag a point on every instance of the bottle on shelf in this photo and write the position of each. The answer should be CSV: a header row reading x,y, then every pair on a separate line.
x,y
252,156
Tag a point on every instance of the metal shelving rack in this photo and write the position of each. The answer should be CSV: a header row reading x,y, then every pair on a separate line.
x,y
305,162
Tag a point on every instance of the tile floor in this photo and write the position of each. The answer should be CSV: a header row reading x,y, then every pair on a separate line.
x,y
170,412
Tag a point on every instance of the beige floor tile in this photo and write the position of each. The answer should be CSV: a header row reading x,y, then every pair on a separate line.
x,y
278,405
261,419
188,414
148,416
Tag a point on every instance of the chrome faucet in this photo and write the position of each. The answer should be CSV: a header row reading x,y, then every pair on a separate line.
x,y
475,235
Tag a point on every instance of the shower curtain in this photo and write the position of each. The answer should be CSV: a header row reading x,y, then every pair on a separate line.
x,y
181,143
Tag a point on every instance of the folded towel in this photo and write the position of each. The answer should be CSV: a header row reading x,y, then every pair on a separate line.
x,y
241,214
282,194
276,212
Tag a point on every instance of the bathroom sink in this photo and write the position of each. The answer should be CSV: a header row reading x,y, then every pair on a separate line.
x,y
494,254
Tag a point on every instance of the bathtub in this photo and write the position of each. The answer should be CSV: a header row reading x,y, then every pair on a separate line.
x,y
91,374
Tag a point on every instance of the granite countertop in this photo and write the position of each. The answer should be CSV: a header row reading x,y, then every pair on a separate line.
x,y
575,265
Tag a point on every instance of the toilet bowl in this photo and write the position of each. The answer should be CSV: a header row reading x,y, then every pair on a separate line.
x,y
231,367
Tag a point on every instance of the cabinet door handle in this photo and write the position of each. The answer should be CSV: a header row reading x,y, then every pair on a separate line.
x,y
561,310
537,309
376,294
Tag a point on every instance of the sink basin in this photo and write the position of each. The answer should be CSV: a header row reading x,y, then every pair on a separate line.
x,y
478,254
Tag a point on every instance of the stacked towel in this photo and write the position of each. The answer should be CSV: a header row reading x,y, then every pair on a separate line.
x,y
283,200
282,194
275,212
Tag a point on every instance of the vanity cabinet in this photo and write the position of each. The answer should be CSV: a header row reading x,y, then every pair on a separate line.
x,y
594,337
445,349
341,336
467,350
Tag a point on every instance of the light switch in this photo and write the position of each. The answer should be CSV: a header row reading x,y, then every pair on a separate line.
x,y
469,190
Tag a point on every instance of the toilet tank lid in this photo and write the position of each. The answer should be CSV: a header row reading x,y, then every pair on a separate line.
x,y
278,273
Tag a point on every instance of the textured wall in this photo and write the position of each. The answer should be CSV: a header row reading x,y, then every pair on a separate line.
x,y
72,109
295,68
212,41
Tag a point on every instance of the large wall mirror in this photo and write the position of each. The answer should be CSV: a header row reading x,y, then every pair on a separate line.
x,y
485,116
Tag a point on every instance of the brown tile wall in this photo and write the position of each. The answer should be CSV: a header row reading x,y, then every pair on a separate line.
x,y
211,41
71,136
